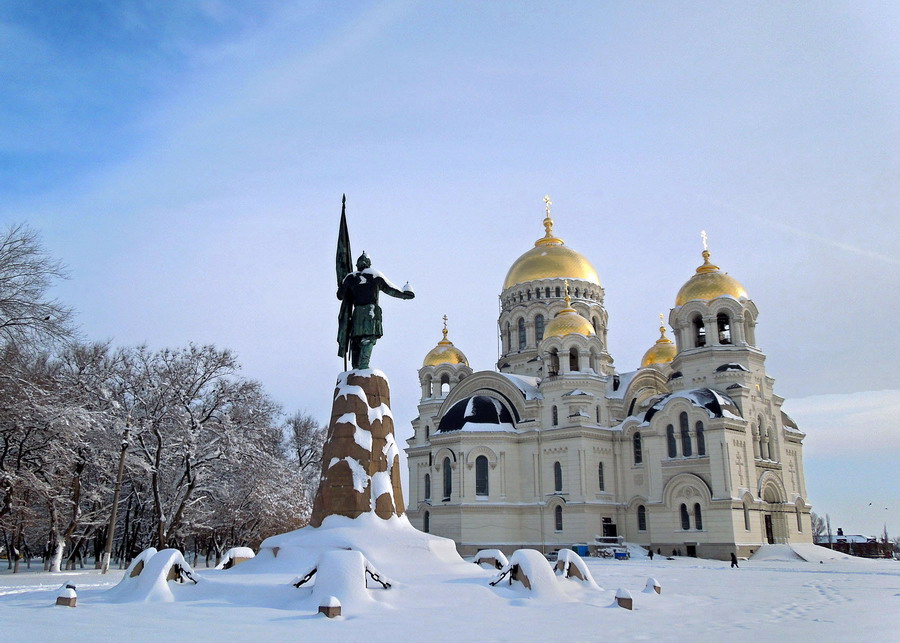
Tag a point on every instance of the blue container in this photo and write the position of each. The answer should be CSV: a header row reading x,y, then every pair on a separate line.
x,y
622,555
581,550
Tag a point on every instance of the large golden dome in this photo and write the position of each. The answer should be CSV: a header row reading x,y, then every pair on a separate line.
x,y
550,259
662,352
568,322
445,352
709,283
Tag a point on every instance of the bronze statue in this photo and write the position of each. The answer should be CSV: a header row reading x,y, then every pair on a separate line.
x,y
359,322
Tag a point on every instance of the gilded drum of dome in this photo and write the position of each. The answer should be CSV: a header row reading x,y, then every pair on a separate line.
x,y
709,285
659,353
551,261
569,322
445,354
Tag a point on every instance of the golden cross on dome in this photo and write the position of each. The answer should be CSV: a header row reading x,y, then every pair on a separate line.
x,y
705,238
445,327
661,322
548,203
568,299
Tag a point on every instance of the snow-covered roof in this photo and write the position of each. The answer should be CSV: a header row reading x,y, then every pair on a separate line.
x,y
577,392
732,366
618,393
527,385
789,424
476,410
715,403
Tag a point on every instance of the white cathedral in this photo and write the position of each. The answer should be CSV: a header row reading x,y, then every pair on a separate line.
x,y
690,453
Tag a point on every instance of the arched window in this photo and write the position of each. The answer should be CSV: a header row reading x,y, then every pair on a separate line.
x,y
699,332
553,370
576,293
555,413
670,441
445,384
598,415
547,292
763,439
642,518
685,434
600,477
799,520
724,325
448,479
557,477
426,522
595,325
537,293
558,515
636,446
539,328
528,294
573,359
521,333
746,518
427,486
427,431
558,291
698,516
481,476
508,337
685,518
701,439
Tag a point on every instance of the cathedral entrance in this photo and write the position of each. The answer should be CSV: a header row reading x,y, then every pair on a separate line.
x,y
770,532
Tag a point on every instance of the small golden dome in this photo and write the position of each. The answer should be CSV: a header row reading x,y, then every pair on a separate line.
x,y
445,352
708,283
568,322
662,352
550,259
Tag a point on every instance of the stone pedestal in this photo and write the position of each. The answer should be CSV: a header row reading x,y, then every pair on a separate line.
x,y
361,460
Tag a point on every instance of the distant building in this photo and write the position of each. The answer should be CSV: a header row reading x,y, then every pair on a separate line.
x,y
690,453
856,545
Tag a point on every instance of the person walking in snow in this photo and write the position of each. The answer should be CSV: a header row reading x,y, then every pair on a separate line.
x,y
650,554
734,560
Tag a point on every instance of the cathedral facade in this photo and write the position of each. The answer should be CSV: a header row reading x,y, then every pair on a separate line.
x,y
689,453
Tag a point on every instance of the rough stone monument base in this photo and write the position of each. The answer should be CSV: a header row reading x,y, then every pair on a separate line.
x,y
361,460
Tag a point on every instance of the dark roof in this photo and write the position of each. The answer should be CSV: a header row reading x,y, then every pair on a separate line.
x,y
732,366
715,403
479,409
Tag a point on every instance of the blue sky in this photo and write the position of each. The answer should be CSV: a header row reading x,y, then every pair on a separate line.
x,y
186,160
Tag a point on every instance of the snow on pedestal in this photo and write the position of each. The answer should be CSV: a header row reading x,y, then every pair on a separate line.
x,y
624,599
361,460
652,586
531,569
67,596
331,607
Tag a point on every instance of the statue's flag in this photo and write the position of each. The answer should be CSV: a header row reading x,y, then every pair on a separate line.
x,y
344,266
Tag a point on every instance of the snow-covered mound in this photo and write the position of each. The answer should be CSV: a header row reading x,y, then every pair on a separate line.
x,y
486,556
816,553
341,574
393,545
152,584
137,564
235,554
573,566
775,553
529,570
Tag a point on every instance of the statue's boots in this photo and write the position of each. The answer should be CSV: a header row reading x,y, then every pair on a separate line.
x,y
365,352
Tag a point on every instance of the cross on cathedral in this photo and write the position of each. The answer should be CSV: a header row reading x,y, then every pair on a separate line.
x,y
705,238
548,203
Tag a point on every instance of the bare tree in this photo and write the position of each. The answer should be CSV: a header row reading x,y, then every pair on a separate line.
x,y
818,524
305,442
27,315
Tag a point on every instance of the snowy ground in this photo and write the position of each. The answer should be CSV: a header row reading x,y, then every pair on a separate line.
x,y
779,598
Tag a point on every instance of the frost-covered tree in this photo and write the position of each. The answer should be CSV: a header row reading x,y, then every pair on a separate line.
x,y
27,314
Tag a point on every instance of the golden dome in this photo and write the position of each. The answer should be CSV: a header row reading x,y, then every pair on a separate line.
x,y
445,352
709,283
662,352
550,259
568,322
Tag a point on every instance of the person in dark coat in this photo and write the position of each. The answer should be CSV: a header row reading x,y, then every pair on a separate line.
x,y
650,553
733,560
